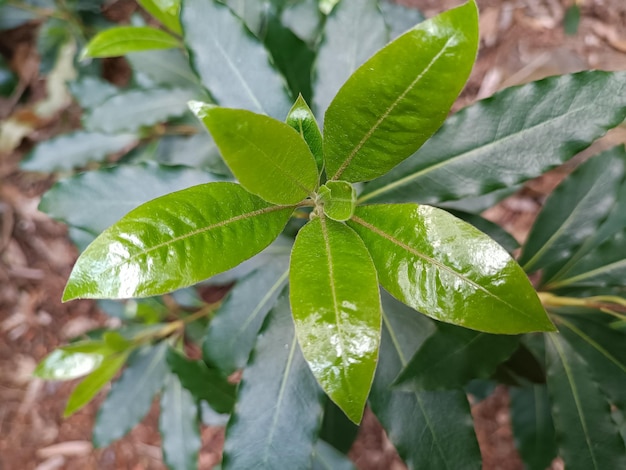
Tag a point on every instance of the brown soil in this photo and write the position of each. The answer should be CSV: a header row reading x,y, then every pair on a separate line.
x,y
522,40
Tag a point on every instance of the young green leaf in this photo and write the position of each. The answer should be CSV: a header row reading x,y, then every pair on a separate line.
x,y
378,118
586,435
131,396
301,118
263,432
532,425
428,429
93,383
335,62
339,200
233,65
267,156
336,310
449,270
453,356
121,40
166,11
73,361
233,330
173,242
179,426
531,124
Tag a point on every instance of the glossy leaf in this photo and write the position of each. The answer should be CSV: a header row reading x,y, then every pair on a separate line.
x,y
336,310
263,432
481,148
335,62
378,118
504,238
301,118
75,150
428,429
532,425
233,330
141,108
93,383
453,356
399,18
232,64
267,156
167,68
203,383
447,269
337,430
574,211
326,457
73,361
339,200
131,396
179,427
121,40
94,200
586,435
154,248
166,11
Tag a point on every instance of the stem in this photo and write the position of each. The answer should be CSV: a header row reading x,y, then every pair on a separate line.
x,y
609,304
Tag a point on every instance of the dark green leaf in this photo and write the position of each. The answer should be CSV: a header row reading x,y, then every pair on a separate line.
x,y
121,40
203,383
51,36
586,435
73,361
93,383
233,330
304,18
336,310
301,118
378,118
94,200
337,429
522,132
428,429
571,20
197,151
399,18
532,426
167,68
574,211
253,14
336,61
504,238
131,396
521,369
326,457
233,65
264,433
173,242
179,427
268,156
12,17
90,91
453,356
75,150
130,110
166,11
447,269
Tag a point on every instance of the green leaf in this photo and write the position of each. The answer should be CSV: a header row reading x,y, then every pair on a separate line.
x,y
378,118
301,118
571,20
51,36
73,361
586,435
337,430
524,131
267,156
121,40
75,150
253,14
428,429
263,432
447,269
336,310
94,200
453,356
233,65
90,91
326,457
574,211
93,383
304,18
233,330
203,383
602,348
166,68
128,111
399,18
198,151
131,396
339,200
179,427
533,428
173,242
335,62
493,230
166,11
